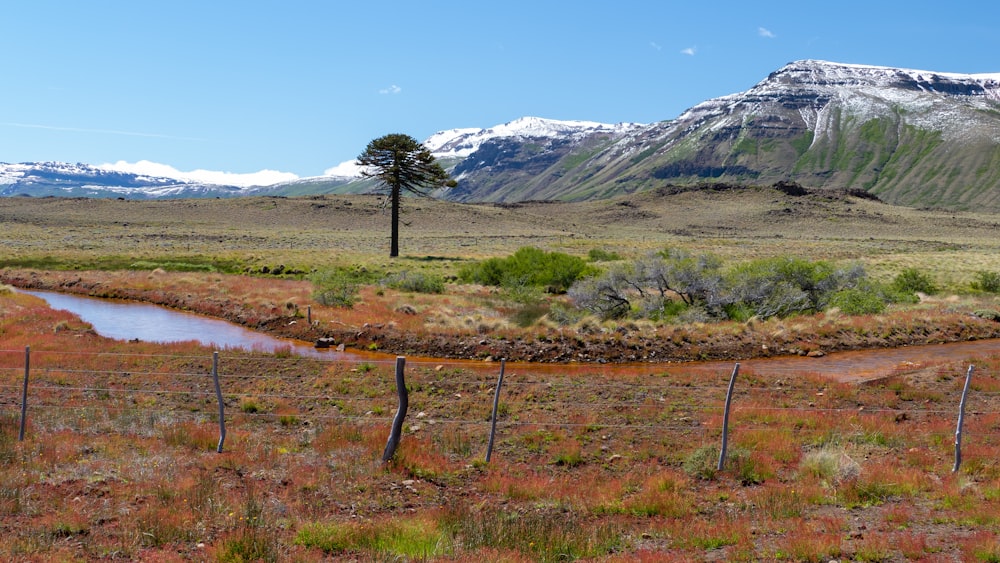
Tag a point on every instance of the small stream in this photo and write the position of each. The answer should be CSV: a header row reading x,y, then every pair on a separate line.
x,y
127,320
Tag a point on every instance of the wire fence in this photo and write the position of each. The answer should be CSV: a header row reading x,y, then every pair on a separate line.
x,y
668,405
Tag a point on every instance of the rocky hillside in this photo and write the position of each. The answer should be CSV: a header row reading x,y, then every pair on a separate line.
x,y
910,137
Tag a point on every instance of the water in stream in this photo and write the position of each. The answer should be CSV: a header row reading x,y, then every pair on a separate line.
x,y
128,320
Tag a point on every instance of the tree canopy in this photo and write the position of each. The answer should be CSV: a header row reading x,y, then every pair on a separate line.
x,y
400,163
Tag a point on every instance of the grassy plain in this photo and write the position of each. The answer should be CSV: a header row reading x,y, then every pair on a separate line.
x,y
306,233
128,249
600,462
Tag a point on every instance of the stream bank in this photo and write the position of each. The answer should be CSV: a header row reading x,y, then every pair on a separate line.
x,y
587,343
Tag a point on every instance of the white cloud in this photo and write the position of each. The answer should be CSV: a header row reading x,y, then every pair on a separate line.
x,y
347,168
391,90
145,167
764,32
655,45
690,51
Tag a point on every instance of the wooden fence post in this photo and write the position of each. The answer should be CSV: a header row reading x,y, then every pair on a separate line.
x,y
397,421
218,396
24,393
725,418
496,405
961,419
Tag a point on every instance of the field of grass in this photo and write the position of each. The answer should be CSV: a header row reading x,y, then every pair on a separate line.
x,y
315,232
592,461
614,463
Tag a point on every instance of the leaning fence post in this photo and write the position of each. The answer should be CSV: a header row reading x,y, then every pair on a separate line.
x,y
496,405
725,418
309,315
397,421
218,396
961,419
24,393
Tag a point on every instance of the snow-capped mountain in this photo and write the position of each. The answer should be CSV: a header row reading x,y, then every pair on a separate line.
x,y
85,180
937,101
911,137
468,152
453,144
460,143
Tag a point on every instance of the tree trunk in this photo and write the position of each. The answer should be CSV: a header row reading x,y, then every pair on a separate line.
x,y
394,245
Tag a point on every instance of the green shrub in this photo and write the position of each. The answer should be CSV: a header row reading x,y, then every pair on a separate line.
x,y
676,284
338,287
702,463
783,286
988,314
739,312
665,310
912,280
601,255
856,301
416,282
987,281
555,271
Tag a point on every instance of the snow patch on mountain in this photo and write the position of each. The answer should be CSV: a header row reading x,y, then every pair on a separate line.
x,y
460,143
463,142
939,101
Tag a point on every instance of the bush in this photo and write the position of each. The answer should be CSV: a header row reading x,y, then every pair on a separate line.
x,y
988,314
673,283
703,463
783,286
856,301
608,296
912,280
554,271
987,281
416,282
338,287
831,465
601,255
661,285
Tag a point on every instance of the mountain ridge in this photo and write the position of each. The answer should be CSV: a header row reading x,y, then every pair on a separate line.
x,y
911,137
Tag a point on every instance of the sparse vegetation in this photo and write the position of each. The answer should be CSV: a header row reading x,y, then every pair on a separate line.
x,y
592,461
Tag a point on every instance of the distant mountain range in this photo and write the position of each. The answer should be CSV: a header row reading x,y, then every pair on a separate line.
x,y
916,138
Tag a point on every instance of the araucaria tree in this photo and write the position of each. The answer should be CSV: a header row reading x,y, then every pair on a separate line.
x,y
400,163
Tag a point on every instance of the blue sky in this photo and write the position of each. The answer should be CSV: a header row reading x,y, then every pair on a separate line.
x,y
298,87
